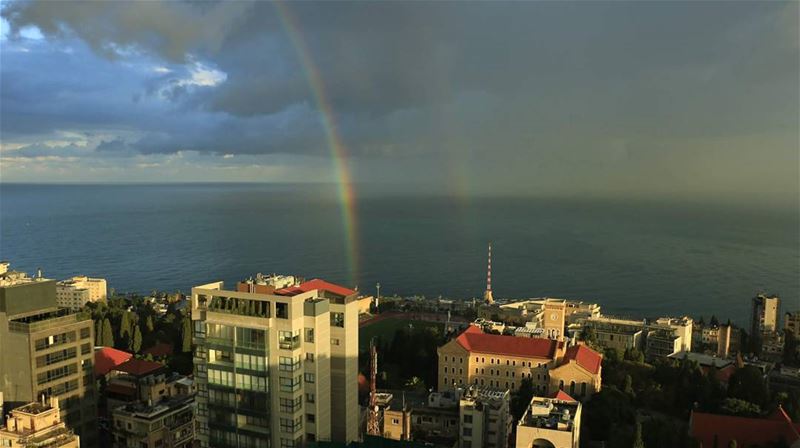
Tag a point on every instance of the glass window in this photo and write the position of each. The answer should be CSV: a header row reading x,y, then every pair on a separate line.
x,y
337,319
309,335
288,340
309,377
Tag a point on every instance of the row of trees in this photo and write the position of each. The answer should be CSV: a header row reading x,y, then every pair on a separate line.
x,y
131,324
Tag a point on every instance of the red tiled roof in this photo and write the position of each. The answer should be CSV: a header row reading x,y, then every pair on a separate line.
x,y
746,431
160,349
315,284
138,367
585,357
561,395
474,340
106,358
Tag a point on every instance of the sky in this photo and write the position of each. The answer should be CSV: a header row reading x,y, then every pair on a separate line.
x,y
522,98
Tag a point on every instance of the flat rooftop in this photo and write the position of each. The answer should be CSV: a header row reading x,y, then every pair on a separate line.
x,y
550,413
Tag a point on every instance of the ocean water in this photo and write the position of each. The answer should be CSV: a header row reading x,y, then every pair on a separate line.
x,y
635,258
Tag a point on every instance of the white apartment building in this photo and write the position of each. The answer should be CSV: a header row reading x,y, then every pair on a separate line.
x,y
77,291
278,368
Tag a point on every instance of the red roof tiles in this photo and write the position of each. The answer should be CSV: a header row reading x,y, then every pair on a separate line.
x,y
106,358
585,357
474,340
561,395
315,284
138,367
746,431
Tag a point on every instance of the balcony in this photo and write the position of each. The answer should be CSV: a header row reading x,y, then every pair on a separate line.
x,y
44,321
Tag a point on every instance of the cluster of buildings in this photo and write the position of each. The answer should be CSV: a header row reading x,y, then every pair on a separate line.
x,y
276,365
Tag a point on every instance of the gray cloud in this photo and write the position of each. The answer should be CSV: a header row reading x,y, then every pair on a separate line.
x,y
538,93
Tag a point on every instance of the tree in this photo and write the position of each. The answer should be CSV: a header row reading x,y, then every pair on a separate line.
x,y
125,327
589,335
747,384
186,335
732,444
714,322
521,399
136,340
98,332
149,324
628,386
108,335
637,436
735,406
633,354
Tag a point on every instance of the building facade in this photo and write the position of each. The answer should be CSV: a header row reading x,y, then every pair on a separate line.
x,y
791,323
274,368
579,373
45,350
481,359
550,423
484,418
168,423
76,292
764,318
619,334
37,425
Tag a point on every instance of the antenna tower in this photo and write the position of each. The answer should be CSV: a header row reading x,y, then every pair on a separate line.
x,y
487,295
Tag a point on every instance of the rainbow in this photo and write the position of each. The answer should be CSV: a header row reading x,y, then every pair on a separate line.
x,y
344,180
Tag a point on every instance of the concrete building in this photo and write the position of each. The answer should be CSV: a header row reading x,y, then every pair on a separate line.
x,y
277,368
667,336
37,424
168,423
481,359
542,312
45,350
550,423
406,416
619,334
76,292
764,317
484,418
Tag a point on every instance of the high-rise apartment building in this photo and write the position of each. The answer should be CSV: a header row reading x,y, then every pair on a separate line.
x,y
275,365
46,351
484,418
37,424
791,323
167,423
76,292
764,317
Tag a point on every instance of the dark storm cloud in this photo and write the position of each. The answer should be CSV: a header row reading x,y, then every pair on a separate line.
x,y
579,91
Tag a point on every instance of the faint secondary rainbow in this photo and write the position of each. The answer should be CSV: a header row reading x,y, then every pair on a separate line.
x,y
344,180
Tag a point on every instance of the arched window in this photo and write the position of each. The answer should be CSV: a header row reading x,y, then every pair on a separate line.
x,y
561,384
583,389
572,387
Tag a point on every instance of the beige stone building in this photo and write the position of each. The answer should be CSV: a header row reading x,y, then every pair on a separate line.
x,y
37,424
578,373
481,359
277,368
167,423
550,423
619,334
791,323
45,350
76,292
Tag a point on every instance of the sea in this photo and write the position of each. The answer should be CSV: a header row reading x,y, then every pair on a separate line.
x,y
635,257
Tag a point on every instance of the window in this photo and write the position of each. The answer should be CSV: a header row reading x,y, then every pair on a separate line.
x,y
309,335
309,398
337,319
281,310
309,377
310,357
583,389
85,333
310,418
467,418
288,340
334,341
491,361
290,384
287,364
291,405
468,432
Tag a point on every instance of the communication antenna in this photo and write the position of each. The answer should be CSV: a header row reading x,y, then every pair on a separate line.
x,y
487,295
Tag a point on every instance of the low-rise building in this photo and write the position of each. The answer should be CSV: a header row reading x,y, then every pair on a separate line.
x,y
168,423
578,373
75,292
37,425
619,334
550,422
481,359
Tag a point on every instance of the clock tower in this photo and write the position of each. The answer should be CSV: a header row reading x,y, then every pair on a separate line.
x,y
553,319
